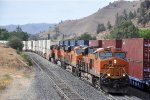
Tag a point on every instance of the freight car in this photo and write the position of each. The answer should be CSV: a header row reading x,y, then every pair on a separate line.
x,y
105,68
138,55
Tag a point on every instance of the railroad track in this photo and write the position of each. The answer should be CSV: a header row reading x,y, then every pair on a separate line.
x,y
66,92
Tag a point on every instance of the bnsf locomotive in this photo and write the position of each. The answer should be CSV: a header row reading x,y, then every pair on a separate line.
x,y
104,68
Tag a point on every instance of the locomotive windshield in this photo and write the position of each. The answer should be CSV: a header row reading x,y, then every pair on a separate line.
x,y
120,55
79,51
105,55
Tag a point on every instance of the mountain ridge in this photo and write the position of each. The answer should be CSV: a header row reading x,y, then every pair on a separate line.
x,y
31,28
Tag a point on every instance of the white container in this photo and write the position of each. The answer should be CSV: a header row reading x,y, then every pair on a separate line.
x,y
40,44
24,45
33,47
29,45
44,44
36,46
48,44
3,42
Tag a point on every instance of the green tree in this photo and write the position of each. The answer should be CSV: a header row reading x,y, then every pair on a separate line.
x,y
20,34
86,36
4,34
145,4
100,28
15,43
125,15
144,33
109,26
131,15
124,29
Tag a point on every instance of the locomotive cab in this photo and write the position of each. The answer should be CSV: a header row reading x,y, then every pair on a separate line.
x,y
111,65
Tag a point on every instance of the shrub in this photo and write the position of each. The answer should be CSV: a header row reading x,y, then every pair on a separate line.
x,y
15,43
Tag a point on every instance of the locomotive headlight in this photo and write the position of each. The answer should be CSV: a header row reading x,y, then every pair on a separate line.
x,y
124,75
108,74
115,61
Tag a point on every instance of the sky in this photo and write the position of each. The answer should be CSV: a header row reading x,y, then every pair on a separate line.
x,y
20,12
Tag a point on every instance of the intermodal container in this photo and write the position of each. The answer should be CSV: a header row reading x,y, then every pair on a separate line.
x,y
29,45
44,44
61,42
138,55
83,42
112,43
95,43
48,44
34,47
73,43
24,46
67,43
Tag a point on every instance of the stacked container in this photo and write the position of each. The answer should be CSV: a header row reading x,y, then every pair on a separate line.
x,y
33,49
112,43
61,42
73,43
40,46
44,46
29,45
36,46
48,44
95,43
138,55
83,42
67,43
24,45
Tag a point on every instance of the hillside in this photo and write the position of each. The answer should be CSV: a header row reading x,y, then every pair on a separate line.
x,y
89,24
30,28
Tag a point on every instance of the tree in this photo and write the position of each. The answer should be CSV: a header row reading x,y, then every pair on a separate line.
x,y
125,15
134,13
20,34
131,15
145,4
109,25
100,28
144,33
86,36
124,29
15,43
4,34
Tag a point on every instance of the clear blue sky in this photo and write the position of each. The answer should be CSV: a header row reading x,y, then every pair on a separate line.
x,y
46,11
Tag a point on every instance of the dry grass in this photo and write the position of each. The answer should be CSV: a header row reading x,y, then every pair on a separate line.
x,y
11,66
5,80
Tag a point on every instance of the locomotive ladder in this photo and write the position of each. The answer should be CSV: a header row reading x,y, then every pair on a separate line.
x,y
65,92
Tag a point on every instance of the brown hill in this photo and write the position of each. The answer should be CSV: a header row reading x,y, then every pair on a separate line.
x,y
89,24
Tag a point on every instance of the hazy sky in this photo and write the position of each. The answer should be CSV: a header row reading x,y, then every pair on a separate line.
x,y
46,11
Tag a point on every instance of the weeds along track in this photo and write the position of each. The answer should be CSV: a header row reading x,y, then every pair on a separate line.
x,y
62,88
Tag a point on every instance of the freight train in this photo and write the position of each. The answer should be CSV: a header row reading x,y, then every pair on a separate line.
x,y
107,64
104,68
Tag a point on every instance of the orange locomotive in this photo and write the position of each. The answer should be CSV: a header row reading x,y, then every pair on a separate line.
x,y
105,68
